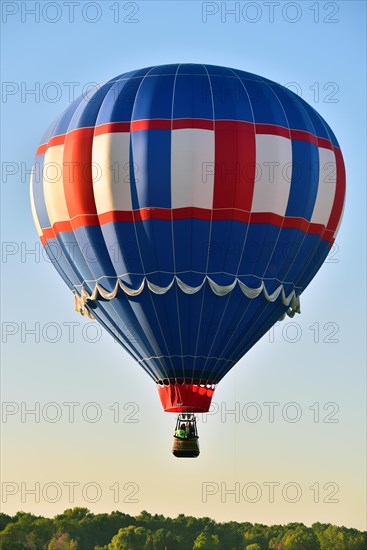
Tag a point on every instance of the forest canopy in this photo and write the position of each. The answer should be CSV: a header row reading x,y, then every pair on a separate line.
x,y
80,529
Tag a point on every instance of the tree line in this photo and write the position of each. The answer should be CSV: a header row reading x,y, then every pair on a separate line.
x,y
80,529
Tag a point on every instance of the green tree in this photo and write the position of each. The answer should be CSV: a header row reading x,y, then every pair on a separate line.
x,y
276,544
144,517
129,538
79,528
332,537
13,537
256,534
230,535
62,541
162,539
301,538
4,520
274,535
77,513
206,541
22,534
156,540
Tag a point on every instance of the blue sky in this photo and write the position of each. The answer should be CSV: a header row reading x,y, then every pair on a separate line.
x,y
317,49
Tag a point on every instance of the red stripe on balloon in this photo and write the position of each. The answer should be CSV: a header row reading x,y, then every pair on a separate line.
x,y
138,125
78,184
194,123
326,144
301,135
111,128
235,165
116,216
192,212
152,213
42,149
337,208
56,140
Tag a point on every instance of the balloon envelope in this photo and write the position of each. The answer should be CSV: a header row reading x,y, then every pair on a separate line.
x,y
188,207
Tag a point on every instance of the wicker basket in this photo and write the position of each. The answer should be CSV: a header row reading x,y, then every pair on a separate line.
x,y
186,448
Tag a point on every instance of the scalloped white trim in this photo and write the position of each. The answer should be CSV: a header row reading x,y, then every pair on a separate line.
x,y
292,300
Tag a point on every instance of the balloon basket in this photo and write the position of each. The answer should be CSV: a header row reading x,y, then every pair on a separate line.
x,y
186,439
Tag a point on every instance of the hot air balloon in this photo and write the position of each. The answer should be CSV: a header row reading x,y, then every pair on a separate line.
x,y
187,207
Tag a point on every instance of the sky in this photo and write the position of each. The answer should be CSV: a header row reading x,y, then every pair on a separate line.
x,y
285,439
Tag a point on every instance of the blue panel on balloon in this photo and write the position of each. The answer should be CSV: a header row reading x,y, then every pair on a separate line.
x,y
269,315
119,102
305,177
93,248
306,253
154,98
191,69
193,97
61,263
295,112
266,106
121,244
226,249
189,307
169,69
230,99
150,169
191,243
259,246
285,256
74,257
155,245
62,125
87,111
